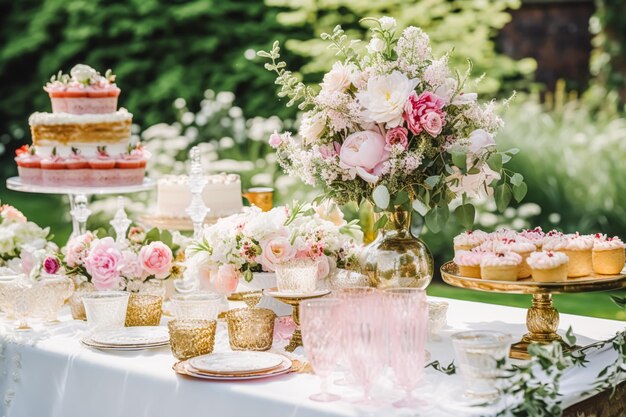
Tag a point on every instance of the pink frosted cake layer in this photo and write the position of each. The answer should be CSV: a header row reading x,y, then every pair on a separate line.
x,y
82,177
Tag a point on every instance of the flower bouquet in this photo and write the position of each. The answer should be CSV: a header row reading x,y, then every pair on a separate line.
x,y
396,126
255,241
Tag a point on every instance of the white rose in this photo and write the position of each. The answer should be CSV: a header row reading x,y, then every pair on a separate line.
x,y
83,73
480,142
387,23
385,97
338,78
312,126
376,45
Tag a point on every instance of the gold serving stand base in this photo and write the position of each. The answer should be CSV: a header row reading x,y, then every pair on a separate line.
x,y
542,319
294,301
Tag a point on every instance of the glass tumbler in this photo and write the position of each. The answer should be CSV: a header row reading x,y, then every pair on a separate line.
x,y
106,309
201,305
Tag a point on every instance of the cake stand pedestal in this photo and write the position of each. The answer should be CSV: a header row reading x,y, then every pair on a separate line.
x,y
294,300
542,319
78,197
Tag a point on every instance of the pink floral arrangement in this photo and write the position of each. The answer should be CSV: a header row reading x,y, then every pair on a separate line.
x,y
126,264
395,125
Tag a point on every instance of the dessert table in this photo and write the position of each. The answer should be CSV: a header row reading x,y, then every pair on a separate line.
x,y
47,372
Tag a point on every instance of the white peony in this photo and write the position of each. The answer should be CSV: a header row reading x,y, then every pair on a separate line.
x,y
7,245
387,23
481,141
384,98
376,45
339,77
83,73
312,126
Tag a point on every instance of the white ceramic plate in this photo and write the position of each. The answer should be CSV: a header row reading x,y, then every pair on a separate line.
x,y
91,344
234,363
284,294
183,368
132,336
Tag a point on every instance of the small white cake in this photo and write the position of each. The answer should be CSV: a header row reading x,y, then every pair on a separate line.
x,y
222,195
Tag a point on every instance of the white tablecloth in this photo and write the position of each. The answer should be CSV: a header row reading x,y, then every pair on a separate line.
x,y
48,372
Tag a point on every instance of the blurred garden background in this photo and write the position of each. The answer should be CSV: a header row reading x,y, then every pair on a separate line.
x,y
189,74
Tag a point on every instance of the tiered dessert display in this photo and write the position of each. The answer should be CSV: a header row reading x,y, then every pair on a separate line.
x,y
83,147
537,263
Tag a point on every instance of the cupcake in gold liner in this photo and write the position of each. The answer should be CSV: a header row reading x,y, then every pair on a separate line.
x,y
548,266
522,247
469,262
578,249
469,240
608,256
500,266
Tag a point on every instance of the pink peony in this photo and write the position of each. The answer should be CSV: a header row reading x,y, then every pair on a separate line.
x,y
51,265
364,153
77,249
417,113
156,259
131,267
275,140
397,136
275,250
226,279
103,264
11,214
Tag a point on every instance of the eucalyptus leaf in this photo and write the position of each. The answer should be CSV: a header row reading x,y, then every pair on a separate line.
x,y
465,214
381,197
401,198
432,181
517,179
437,218
420,207
519,192
380,223
495,162
459,159
502,195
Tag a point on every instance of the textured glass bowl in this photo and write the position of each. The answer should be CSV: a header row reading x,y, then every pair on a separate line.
x,y
190,338
144,310
299,276
250,328
51,293
106,309
201,305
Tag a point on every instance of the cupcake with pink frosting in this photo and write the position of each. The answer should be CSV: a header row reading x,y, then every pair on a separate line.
x,y
608,256
500,266
578,249
522,247
548,266
469,262
83,91
536,236
53,169
469,239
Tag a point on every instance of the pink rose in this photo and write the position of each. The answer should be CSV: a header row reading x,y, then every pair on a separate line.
x,y
51,265
77,249
226,279
364,154
397,136
323,267
417,107
432,122
275,140
11,214
156,259
103,264
275,251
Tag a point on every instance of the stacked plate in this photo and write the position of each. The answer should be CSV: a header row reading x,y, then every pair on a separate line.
x,y
129,338
234,366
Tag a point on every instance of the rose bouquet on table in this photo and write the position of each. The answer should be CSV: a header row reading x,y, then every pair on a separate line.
x,y
129,264
256,241
392,124
24,246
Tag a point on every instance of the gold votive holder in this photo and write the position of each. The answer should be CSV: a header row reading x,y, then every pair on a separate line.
x,y
250,328
190,338
262,197
144,310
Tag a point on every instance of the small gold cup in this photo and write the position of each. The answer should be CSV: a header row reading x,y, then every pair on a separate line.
x,y
251,328
190,337
144,310
262,197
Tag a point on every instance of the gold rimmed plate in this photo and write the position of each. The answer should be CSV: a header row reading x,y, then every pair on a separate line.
x,y
88,342
184,368
236,363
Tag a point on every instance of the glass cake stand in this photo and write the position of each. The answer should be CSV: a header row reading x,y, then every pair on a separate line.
x,y
542,319
78,197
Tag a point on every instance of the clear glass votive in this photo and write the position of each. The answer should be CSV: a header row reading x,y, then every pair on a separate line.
x,y
106,309
251,328
51,292
198,305
298,276
191,338
437,318
144,310
477,354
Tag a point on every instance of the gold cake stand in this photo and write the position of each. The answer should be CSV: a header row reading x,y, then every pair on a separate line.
x,y
294,300
542,319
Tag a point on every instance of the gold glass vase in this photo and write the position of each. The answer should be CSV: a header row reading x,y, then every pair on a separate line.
x,y
396,258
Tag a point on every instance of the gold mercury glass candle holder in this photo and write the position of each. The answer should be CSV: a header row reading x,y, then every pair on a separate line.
x,y
190,338
262,197
144,310
251,328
